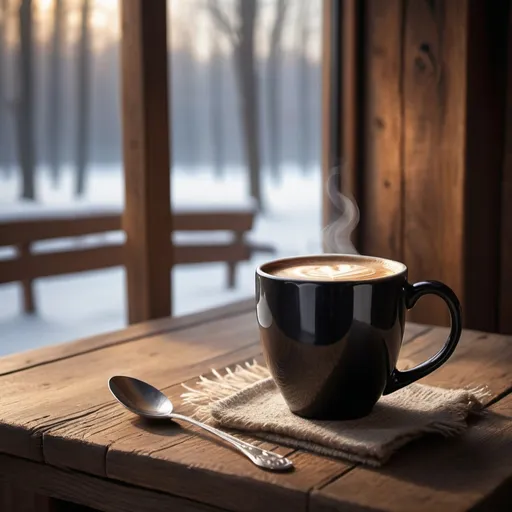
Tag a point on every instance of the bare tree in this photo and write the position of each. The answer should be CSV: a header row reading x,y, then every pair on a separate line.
x,y
304,87
3,128
216,83
55,91
83,95
25,106
189,79
242,39
274,89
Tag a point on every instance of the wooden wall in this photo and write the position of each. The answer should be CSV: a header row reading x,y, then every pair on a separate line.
x,y
434,177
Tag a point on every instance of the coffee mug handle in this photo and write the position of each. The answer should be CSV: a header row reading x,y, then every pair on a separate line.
x,y
413,292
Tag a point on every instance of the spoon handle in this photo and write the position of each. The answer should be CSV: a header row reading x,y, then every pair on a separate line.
x,y
262,458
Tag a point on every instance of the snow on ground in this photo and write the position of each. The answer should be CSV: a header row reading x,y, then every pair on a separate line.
x,y
80,305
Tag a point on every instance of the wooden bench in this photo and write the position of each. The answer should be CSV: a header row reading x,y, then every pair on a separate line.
x,y
25,229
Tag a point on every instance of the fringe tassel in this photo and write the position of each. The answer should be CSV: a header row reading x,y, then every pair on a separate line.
x,y
207,391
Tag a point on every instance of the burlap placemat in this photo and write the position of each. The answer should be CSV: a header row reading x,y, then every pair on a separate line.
x,y
247,399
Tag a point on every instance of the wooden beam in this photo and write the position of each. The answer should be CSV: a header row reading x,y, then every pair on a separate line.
x,y
32,266
147,217
72,487
453,145
32,230
381,205
506,204
343,86
18,232
331,115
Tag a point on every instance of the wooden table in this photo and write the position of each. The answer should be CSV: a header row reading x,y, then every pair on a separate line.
x,y
63,436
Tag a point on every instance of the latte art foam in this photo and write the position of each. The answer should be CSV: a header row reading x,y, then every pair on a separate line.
x,y
328,272
333,268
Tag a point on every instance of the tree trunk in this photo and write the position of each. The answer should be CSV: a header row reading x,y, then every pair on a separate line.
x,y
55,93
25,111
274,91
83,94
304,88
4,164
216,111
248,87
188,76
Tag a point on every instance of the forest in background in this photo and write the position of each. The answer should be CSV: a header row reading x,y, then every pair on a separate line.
x,y
245,87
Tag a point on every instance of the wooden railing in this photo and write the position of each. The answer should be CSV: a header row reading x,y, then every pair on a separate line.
x,y
28,264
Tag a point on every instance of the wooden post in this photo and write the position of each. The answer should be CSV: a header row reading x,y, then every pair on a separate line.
x,y
506,204
453,86
147,215
381,206
331,115
342,101
434,125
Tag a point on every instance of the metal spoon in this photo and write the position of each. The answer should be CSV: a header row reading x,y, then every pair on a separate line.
x,y
144,400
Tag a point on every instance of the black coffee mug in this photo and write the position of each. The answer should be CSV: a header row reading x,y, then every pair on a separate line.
x,y
332,346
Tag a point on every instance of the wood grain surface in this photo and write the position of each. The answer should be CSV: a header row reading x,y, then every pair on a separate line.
x,y
381,208
60,414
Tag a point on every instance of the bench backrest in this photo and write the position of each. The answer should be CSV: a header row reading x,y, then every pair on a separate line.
x,y
24,232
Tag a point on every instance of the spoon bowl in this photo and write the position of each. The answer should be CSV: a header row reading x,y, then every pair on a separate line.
x,y
140,397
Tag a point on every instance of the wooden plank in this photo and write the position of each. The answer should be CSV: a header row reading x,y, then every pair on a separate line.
x,y
352,47
213,221
197,467
93,492
485,138
480,360
42,397
342,106
454,103
81,444
465,473
43,356
146,219
434,91
25,231
45,228
381,207
207,253
97,258
331,99
505,325
62,262
16,498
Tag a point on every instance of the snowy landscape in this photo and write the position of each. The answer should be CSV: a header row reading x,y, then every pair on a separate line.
x,y
79,305
61,147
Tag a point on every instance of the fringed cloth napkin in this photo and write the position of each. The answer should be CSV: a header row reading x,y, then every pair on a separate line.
x,y
248,400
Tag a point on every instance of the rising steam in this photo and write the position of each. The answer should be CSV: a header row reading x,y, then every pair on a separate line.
x,y
336,236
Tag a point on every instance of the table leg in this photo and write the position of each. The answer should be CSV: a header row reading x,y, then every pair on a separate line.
x,y
16,499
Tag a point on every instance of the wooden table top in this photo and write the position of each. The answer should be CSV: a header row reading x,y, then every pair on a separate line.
x,y
61,430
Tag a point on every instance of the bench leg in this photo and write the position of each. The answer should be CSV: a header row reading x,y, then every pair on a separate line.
x,y
231,275
29,304
28,296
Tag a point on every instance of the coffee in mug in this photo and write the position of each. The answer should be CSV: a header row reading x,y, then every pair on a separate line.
x,y
333,269
332,325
